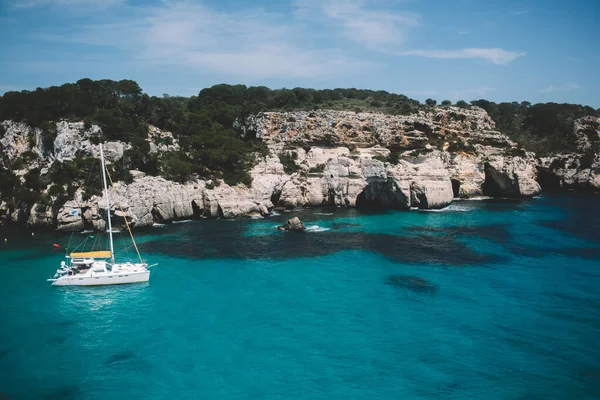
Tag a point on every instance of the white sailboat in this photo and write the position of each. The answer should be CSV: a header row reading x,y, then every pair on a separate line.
x,y
95,268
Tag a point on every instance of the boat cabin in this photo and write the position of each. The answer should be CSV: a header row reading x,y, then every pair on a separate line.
x,y
86,261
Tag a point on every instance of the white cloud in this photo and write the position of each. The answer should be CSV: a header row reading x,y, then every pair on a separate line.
x,y
495,55
361,22
243,44
463,31
520,12
252,44
564,88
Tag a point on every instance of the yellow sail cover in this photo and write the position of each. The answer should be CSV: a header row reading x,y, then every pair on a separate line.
x,y
93,254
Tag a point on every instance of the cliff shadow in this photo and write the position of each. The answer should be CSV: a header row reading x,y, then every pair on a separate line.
x,y
382,193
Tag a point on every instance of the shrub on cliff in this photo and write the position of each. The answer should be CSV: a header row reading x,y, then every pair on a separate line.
x,y
288,160
587,160
8,183
48,135
175,167
544,128
462,104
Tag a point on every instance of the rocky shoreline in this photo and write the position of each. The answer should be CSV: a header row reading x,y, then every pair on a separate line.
x,y
316,158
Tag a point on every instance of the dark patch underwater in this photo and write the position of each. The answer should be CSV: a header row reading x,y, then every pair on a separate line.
x,y
425,249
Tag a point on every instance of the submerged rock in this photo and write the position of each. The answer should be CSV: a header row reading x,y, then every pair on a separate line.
x,y
293,225
414,283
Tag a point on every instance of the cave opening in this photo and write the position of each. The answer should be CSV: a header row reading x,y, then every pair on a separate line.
x,y
275,196
382,194
455,188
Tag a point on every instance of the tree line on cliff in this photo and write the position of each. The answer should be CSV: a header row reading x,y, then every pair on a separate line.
x,y
204,126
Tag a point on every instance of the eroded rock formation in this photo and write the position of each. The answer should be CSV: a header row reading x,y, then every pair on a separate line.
x,y
314,158
579,170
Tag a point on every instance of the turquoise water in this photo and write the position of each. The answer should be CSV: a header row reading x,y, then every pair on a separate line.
x,y
485,300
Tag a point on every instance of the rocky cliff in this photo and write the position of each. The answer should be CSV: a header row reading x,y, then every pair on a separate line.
x,y
422,160
314,158
575,171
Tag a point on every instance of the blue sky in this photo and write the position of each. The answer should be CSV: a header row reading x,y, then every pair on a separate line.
x,y
501,50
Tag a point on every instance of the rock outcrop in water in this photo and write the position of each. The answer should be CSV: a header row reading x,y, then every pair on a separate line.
x,y
314,158
293,225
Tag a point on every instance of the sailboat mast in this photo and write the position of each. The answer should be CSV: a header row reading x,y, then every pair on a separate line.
x,y
112,251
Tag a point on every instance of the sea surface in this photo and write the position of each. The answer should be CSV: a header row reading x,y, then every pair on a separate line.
x,y
490,299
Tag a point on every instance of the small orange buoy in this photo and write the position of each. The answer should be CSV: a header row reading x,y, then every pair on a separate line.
x,y
56,246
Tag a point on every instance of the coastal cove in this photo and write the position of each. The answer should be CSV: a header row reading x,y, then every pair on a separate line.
x,y
493,299
235,151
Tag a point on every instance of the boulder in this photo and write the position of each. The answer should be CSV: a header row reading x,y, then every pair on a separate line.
x,y
293,225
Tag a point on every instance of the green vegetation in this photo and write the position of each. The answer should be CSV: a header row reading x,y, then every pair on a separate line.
x,y
48,135
288,160
544,128
587,159
317,169
463,104
79,172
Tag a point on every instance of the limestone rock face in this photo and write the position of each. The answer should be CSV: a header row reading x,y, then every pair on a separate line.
x,y
467,174
19,138
72,137
69,217
161,141
570,172
431,194
4,213
575,171
345,157
40,216
228,202
148,200
511,177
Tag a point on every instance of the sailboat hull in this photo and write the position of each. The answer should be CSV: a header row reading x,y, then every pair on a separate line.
x,y
89,268
118,278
